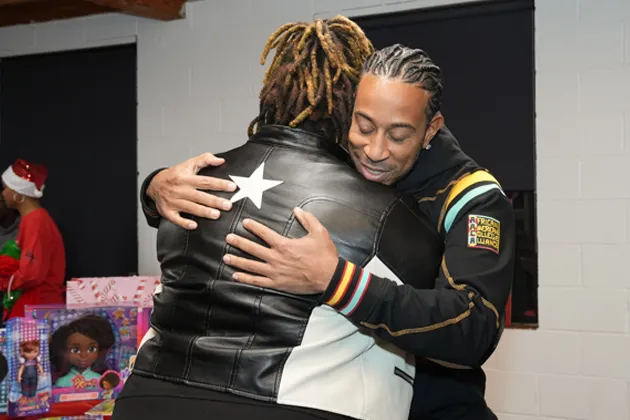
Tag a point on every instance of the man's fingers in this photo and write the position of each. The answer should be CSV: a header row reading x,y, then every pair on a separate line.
x,y
175,218
204,160
245,264
209,183
249,247
272,238
210,201
189,207
253,280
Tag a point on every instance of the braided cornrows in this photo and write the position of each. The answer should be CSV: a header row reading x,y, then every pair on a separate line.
x,y
409,66
315,70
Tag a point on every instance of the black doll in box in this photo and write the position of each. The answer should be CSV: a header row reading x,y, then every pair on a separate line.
x,y
78,351
88,349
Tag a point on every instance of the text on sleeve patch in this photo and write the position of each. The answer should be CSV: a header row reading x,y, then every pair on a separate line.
x,y
484,232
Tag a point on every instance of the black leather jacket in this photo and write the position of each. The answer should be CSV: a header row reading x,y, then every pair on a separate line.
x,y
216,333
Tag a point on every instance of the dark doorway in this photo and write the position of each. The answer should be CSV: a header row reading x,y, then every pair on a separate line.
x,y
486,52
75,112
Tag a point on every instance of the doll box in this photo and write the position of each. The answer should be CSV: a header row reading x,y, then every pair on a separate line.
x,y
111,291
89,348
105,408
29,367
4,385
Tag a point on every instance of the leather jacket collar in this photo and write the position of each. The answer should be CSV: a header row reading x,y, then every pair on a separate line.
x,y
296,137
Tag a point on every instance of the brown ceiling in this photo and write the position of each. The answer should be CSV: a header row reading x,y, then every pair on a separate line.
x,y
16,12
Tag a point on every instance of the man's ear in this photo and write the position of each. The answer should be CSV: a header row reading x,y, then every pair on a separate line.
x,y
434,126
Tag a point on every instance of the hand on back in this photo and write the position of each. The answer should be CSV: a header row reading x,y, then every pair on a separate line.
x,y
179,189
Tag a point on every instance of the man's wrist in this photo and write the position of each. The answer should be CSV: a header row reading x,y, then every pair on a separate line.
x,y
354,292
326,273
347,281
146,197
328,294
149,191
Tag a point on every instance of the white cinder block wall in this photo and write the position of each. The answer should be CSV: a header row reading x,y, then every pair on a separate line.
x,y
197,85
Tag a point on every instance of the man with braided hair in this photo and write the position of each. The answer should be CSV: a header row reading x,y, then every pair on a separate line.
x,y
397,138
222,349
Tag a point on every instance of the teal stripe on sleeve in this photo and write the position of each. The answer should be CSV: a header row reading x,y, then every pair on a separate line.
x,y
451,215
358,294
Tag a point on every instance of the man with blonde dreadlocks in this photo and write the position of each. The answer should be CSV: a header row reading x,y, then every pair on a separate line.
x,y
221,349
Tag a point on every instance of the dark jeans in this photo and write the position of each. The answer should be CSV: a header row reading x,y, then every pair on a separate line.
x,y
449,394
148,398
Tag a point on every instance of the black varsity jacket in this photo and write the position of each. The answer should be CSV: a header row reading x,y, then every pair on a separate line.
x,y
457,324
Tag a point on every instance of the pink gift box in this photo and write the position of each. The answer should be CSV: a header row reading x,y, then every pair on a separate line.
x,y
108,291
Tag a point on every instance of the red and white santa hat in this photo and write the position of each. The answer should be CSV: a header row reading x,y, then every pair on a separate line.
x,y
26,178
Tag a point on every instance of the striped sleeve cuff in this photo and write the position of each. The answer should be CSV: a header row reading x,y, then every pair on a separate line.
x,y
348,291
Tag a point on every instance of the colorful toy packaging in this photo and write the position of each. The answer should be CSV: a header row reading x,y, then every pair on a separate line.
x,y
89,349
29,367
144,316
4,385
111,291
105,408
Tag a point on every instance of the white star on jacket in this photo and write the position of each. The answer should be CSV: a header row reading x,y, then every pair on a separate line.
x,y
253,187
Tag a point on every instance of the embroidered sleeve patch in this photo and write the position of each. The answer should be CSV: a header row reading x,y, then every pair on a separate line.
x,y
484,232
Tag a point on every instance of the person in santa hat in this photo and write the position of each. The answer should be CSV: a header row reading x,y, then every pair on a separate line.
x,y
42,269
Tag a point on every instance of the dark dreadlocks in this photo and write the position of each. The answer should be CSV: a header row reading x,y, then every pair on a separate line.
x,y
409,66
313,75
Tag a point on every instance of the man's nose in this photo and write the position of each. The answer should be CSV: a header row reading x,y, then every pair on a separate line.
x,y
376,150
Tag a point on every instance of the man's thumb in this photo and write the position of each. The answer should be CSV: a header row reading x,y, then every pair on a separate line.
x,y
307,220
